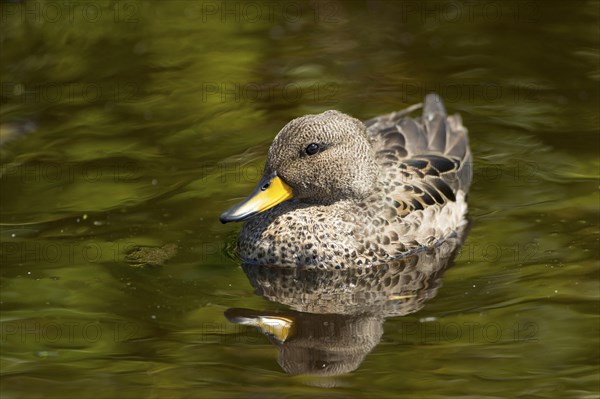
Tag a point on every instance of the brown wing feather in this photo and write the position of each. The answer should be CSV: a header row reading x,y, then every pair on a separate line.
x,y
429,153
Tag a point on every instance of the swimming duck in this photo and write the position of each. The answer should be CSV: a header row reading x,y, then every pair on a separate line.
x,y
336,192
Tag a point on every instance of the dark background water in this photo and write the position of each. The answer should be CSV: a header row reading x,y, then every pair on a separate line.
x,y
134,124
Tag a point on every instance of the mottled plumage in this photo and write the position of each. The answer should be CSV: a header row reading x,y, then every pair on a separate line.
x,y
374,191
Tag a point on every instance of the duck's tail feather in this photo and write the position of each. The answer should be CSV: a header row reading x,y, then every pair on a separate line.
x,y
434,134
434,120
445,134
433,105
448,136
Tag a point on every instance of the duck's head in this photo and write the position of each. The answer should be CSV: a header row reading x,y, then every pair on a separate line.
x,y
318,159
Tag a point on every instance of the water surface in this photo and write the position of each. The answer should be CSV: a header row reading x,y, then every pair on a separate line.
x,y
128,127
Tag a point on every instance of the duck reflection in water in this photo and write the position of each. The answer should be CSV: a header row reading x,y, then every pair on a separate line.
x,y
337,316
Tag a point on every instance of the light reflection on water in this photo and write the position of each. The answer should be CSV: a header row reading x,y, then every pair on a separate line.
x,y
137,129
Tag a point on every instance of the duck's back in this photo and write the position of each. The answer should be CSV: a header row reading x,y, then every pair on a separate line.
x,y
426,164
430,153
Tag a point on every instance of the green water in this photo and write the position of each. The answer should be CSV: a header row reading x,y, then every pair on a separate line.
x,y
127,127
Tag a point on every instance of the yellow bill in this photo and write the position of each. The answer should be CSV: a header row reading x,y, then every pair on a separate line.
x,y
269,192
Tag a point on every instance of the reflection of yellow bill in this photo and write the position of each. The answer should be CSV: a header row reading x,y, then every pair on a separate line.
x,y
270,191
278,327
275,326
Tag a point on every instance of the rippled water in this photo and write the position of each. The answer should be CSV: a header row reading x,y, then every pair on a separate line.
x,y
127,127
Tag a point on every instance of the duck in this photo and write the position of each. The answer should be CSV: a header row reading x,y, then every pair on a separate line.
x,y
339,193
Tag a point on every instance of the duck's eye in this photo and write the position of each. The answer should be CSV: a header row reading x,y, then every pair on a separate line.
x,y
312,148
